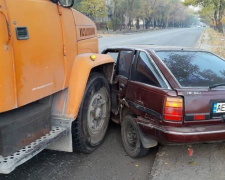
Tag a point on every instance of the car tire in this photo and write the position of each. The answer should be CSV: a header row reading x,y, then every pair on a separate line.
x,y
131,139
89,129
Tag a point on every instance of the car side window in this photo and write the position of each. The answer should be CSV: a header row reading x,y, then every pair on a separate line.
x,y
124,64
145,71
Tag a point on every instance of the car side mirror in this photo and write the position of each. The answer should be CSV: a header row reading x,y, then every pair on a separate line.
x,y
64,3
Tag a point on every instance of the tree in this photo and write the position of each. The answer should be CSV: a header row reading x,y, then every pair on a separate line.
x,y
77,4
132,6
207,15
119,11
153,13
218,7
93,8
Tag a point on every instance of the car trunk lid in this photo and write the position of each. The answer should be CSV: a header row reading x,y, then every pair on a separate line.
x,y
199,77
202,104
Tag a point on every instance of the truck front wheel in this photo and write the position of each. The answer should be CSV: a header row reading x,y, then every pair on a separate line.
x,y
90,127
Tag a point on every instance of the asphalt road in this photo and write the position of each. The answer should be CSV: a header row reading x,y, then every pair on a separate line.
x,y
186,37
109,162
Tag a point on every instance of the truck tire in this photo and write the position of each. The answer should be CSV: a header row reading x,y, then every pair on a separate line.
x,y
131,139
89,129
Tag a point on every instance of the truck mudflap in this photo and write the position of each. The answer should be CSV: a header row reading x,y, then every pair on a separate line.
x,y
8,164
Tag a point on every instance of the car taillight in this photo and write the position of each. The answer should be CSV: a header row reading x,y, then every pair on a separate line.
x,y
173,110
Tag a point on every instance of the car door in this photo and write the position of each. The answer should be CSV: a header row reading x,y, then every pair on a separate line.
x,y
147,89
123,70
121,76
38,48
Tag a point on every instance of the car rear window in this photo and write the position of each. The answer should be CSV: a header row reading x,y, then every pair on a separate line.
x,y
194,69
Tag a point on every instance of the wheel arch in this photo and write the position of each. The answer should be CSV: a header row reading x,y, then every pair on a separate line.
x,y
66,103
126,111
82,67
146,141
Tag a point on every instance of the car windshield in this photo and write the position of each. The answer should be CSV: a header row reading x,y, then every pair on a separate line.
x,y
194,69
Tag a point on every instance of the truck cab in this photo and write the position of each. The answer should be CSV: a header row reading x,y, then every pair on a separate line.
x,y
48,56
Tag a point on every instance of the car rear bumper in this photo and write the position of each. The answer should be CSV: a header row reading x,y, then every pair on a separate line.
x,y
177,135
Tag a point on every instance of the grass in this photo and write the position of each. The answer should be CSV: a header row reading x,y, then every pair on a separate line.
x,y
216,41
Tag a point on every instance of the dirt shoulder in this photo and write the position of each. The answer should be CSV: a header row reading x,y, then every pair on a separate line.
x,y
208,160
213,41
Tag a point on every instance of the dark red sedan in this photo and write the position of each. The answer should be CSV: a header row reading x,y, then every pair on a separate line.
x,y
167,95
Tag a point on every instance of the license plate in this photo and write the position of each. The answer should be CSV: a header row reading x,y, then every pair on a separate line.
x,y
219,108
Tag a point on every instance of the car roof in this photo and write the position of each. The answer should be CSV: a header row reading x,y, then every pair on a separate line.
x,y
152,48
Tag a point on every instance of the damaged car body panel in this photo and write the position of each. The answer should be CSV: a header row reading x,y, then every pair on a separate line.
x,y
174,95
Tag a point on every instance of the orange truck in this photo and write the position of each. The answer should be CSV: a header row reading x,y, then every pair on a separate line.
x,y
54,86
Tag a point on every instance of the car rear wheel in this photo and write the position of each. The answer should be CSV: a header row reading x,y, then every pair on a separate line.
x,y
131,139
90,127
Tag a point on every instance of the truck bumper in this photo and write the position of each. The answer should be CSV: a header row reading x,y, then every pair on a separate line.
x,y
179,135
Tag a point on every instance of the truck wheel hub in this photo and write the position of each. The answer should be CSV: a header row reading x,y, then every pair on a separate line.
x,y
97,112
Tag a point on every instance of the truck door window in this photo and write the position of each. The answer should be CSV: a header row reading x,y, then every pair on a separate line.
x,y
124,64
145,71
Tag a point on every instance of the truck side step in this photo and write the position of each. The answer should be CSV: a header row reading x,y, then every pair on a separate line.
x,y
8,164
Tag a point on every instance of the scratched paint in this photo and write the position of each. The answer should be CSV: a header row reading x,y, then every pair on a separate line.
x,y
43,86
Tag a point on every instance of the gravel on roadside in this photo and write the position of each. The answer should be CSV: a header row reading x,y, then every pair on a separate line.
x,y
174,163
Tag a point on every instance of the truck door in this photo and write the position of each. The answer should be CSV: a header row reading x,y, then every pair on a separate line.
x,y
7,85
38,48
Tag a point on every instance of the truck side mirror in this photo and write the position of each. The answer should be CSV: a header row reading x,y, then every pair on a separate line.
x,y
64,3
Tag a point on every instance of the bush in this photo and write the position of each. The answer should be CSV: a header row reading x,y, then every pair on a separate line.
x,y
103,25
